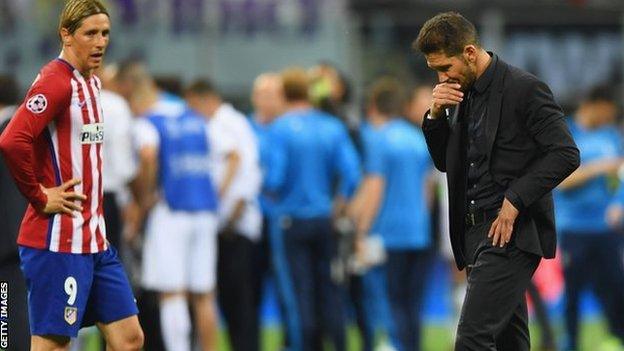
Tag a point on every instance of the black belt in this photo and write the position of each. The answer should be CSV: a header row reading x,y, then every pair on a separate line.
x,y
478,216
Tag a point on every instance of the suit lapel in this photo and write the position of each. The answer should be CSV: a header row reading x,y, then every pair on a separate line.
x,y
494,107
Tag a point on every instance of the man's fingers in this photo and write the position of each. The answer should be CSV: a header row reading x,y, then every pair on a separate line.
x,y
492,228
72,205
497,234
70,183
448,95
508,234
454,86
67,211
75,195
507,230
447,98
448,92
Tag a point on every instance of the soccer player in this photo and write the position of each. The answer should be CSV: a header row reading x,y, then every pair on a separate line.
x,y
53,147
180,245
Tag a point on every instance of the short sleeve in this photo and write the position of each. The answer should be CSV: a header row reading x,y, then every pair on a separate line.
x,y
221,139
375,161
145,134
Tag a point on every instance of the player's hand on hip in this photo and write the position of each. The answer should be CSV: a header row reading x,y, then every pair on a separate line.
x,y
445,94
60,200
502,227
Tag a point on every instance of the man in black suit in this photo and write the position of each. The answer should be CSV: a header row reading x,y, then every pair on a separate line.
x,y
500,137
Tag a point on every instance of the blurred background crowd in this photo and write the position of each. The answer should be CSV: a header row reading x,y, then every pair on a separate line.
x,y
332,230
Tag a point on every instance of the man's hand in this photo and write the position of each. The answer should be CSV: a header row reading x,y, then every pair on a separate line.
x,y
359,247
62,201
445,94
614,216
502,227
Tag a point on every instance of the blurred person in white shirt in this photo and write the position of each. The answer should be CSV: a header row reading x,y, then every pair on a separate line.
x,y
119,161
238,178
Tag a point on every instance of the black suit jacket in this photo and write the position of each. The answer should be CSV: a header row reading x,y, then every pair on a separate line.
x,y
529,150
12,208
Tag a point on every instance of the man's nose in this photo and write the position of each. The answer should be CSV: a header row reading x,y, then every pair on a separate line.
x,y
442,77
102,41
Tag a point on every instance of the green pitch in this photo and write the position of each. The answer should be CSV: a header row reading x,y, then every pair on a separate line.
x,y
594,336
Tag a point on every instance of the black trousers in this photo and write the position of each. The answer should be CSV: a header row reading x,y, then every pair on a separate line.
x,y
320,301
112,216
593,260
236,290
494,315
407,279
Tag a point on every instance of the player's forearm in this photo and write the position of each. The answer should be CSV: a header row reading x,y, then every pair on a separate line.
x,y
582,175
233,163
237,213
146,180
373,194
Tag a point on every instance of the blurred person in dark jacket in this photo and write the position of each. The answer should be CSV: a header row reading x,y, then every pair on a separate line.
x,y
11,213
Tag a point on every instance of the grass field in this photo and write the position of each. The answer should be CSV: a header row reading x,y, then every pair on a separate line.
x,y
436,338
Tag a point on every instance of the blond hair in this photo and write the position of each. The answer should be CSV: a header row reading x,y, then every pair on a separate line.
x,y
75,11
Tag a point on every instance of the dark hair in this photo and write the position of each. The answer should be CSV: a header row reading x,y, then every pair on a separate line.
x,y
388,96
601,93
296,83
75,11
130,69
201,86
447,32
169,83
9,94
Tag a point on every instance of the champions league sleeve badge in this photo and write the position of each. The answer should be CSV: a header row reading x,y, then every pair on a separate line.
x,y
37,104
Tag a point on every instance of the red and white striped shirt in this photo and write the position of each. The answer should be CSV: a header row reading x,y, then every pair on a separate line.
x,y
54,136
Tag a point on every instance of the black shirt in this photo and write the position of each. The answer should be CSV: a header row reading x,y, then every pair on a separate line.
x,y
482,191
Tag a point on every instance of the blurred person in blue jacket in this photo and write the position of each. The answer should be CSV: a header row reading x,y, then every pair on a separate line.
x,y
267,98
591,250
311,153
394,207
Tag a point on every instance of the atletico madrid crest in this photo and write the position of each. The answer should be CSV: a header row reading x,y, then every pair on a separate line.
x,y
71,315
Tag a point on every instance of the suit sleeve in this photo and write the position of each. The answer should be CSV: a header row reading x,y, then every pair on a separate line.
x,y
560,156
436,134
44,101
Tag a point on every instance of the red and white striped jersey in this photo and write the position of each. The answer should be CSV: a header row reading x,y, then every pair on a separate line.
x,y
55,135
